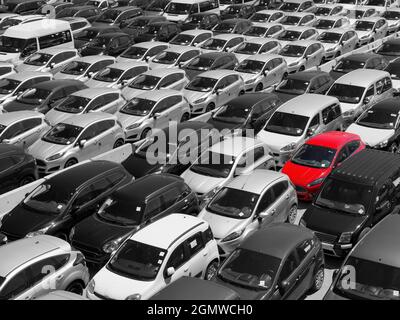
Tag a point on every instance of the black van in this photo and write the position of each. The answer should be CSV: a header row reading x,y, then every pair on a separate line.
x,y
355,196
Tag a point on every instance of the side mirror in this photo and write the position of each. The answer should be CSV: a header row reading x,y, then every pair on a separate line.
x,y
396,93
216,91
335,273
82,143
170,271
156,115
311,131
367,100
283,286
265,73
52,65
90,74
6,141
383,205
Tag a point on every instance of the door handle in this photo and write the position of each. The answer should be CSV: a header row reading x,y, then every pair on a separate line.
x,y
205,254
287,196
186,270
60,277
273,211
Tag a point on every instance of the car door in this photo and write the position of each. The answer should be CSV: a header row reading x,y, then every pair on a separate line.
x,y
265,211
287,284
227,89
155,209
161,114
384,202
179,260
368,100
331,118
197,255
175,81
315,126
175,108
91,146
305,272
8,173
131,74
111,103
13,134
233,44
32,131
282,205
386,90
105,135
310,57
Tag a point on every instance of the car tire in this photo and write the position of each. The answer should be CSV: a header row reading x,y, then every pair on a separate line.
x,y
292,215
70,163
259,87
393,148
210,107
185,117
318,280
26,180
211,270
75,287
363,233
145,133
118,143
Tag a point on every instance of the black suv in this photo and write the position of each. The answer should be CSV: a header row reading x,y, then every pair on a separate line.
x,y
358,194
159,31
22,7
16,168
129,209
60,202
111,44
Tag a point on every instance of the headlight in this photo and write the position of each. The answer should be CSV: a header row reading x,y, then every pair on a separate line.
x,y
133,126
112,245
38,232
382,144
366,36
136,296
250,81
71,234
345,237
294,63
55,156
331,49
90,286
315,182
289,147
233,235
349,113
201,100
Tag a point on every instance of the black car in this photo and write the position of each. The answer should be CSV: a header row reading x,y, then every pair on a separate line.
x,y
278,262
156,7
45,95
63,200
133,3
137,163
249,111
90,13
191,288
358,194
118,15
202,20
87,35
238,11
210,61
138,25
358,61
237,26
22,7
159,31
16,168
111,44
390,49
129,209
394,69
304,82
58,6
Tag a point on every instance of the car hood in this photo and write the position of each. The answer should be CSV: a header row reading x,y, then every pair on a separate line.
x,y
54,116
241,56
332,222
27,67
18,106
138,167
220,125
243,292
302,175
361,33
42,149
92,83
130,93
222,226
371,136
194,95
127,119
192,73
200,183
277,141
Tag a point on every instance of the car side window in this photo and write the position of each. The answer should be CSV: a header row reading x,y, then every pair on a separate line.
x,y
6,163
89,133
195,244
161,106
29,124
189,55
14,130
315,121
370,92
201,38
104,125
328,114
97,103
170,197
207,236
16,285
303,249
259,152
177,258
110,97
353,146
115,178
234,42
387,84
170,79
153,208
266,201
343,155
280,188
131,73
290,265
223,83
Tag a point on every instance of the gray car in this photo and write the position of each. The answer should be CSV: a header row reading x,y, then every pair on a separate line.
x,y
35,266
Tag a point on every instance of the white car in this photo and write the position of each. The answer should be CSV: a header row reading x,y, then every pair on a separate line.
x,y
392,16
193,37
262,71
212,89
303,54
267,16
331,22
264,30
256,46
297,6
338,41
370,29
360,12
225,160
152,258
152,110
222,42
247,203
298,19
117,75
333,9
153,80
142,51
381,5
174,57
297,33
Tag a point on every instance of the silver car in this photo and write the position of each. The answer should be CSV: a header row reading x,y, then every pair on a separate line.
x,y
222,42
32,267
84,101
338,41
75,140
256,46
22,128
152,110
142,51
193,37
265,30
246,203
174,57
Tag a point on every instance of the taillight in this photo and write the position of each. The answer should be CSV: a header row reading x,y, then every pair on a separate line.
x,y
80,259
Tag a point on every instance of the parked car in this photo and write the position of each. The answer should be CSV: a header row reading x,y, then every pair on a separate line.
x,y
17,168
315,160
189,249
23,7
276,253
338,41
138,25
75,140
267,16
158,31
392,16
117,15
89,12
353,199
333,9
298,19
291,34
265,30
174,57
190,38
155,109
84,37
297,6
111,44
370,29
142,51
41,262
360,12
222,43
254,46
331,22
389,49
57,5
155,196
63,200
201,20
44,96
238,11
235,26
17,20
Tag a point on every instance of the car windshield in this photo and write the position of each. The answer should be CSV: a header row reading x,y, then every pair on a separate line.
x,y
329,37
347,65
87,35
346,93
108,16
287,124
292,51
134,53
250,66
62,133
137,261
109,75
8,86
248,48
378,3
73,104
392,68
166,57
256,31
345,196
12,45
388,48
178,8
194,19
257,275
225,27
101,42
48,199
289,6
138,107
373,281
291,20
233,203
213,44
314,156
290,35
200,63
182,39
213,164
391,15
145,82
324,24
321,11
201,84
76,68
38,59
260,17
153,29
378,118
118,210
293,86
232,112
34,96
364,25
67,12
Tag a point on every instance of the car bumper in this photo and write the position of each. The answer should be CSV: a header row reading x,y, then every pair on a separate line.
x,y
225,248
250,87
306,193
197,109
44,168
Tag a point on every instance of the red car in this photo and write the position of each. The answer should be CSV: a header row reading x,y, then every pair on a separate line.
x,y
315,159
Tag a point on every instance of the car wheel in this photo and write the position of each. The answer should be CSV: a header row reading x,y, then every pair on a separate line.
x,y
26,180
118,143
70,163
393,148
292,215
211,270
210,107
363,233
185,117
318,280
145,133
259,87
302,68
75,287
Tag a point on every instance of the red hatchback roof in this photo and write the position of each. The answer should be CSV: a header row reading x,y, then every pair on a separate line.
x,y
332,139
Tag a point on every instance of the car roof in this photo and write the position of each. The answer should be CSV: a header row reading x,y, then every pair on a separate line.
x,y
298,14
126,65
373,19
57,83
332,139
276,240
260,40
93,59
156,95
263,57
328,5
149,44
17,253
234,145
393,41
256,181
10,117
195,32
266,24
101,27
181,49
307,104
216,55
304,43
27,75
307,75
390,105
92,93
340,30
9,148
216,74
55,51
162,72
362,56
74,19
177,225
110,35
234,20
87,118
204,13
161,23
227,36
269,11
362,77
299,28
